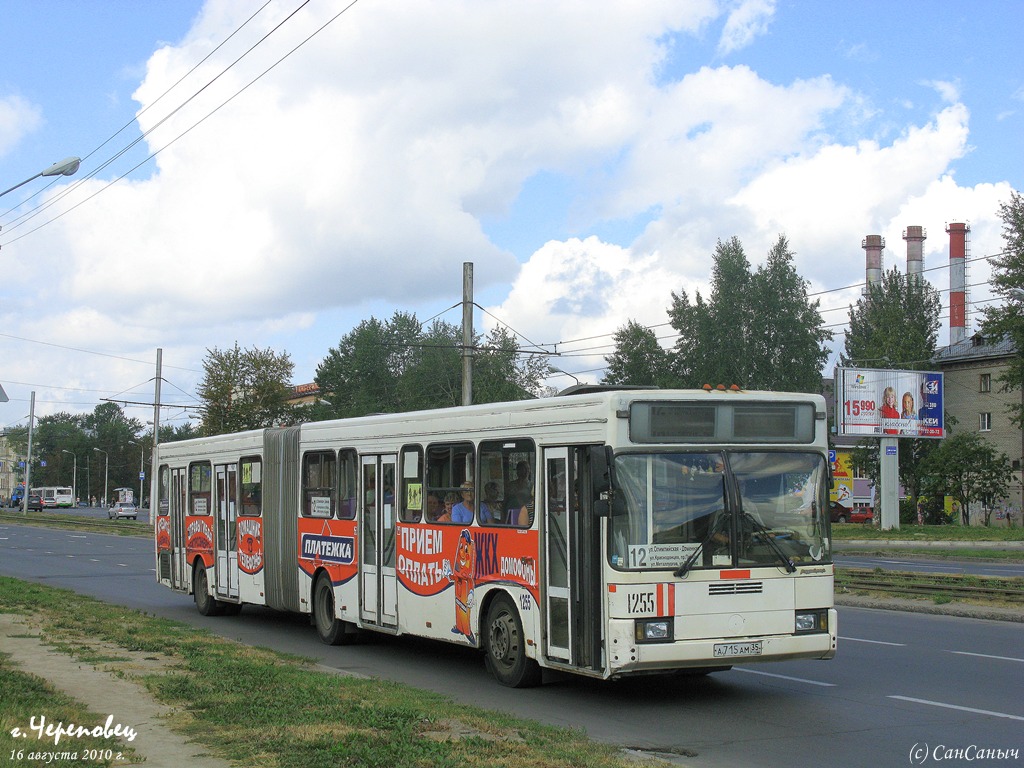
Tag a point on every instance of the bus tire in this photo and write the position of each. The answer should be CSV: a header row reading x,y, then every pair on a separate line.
x,y
505,646
206,604
329,628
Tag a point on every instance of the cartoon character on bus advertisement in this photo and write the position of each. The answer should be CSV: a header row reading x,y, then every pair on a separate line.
x,y
463,576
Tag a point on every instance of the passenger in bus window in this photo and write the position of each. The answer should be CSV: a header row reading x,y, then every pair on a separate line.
x,y
435,507
450,500
464,510
490,509
520,489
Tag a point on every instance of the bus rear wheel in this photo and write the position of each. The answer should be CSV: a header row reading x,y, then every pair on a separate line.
x,y
206,604
506,647
329,627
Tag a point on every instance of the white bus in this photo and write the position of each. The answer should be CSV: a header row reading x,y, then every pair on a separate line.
x,y
605,533
56,496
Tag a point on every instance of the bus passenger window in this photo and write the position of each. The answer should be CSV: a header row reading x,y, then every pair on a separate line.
x,y
347,484
506,471
411,501
450,466
200,487
318,492
251,470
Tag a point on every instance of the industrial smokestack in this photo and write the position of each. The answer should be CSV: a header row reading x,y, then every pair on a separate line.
x,y
915,237
873,245
957,281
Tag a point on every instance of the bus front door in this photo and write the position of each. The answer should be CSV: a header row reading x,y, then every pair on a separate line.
x,y
226,533
180,576
378,576
572,548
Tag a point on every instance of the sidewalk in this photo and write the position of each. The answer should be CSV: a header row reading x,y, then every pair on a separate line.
x,y
107,690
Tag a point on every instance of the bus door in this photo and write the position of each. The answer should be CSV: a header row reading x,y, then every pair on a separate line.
x,y
180,576
226,536
377,573
572,596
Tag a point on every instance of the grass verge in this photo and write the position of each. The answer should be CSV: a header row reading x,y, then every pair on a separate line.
x,y
847,531
257,707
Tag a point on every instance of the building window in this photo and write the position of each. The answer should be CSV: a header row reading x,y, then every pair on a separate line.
x,y
985,382
985,422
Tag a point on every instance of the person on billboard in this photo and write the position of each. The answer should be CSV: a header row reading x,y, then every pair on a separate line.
x,y
888,409
909,415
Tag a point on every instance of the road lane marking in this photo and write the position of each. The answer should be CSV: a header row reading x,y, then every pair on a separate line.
x,y
987,656
959,708
787,677
874,642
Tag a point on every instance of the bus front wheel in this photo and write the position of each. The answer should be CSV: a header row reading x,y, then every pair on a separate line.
x,y
506,647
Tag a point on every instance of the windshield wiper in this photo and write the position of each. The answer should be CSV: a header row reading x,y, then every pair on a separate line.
x,y
770,540
683,569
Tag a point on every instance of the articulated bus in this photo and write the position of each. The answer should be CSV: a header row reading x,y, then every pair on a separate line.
x,y
56,496
605,533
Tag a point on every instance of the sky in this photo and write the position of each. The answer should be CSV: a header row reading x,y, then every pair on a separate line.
x,y
273,174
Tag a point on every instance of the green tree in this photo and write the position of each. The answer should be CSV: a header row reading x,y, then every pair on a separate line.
x,y
967,468
1007,281
244,389
638,358
358,376
787,339
895,324
502,372
758,330
713,335
433,376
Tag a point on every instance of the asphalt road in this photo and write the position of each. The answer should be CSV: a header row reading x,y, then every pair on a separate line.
x,y
905,689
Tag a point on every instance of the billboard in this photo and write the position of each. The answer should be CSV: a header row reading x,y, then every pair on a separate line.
x,y
883,403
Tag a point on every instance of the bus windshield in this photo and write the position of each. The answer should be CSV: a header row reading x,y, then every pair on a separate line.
x,y
724,509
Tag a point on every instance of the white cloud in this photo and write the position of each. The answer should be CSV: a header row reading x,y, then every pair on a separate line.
x,y
18,118
748,20
949,91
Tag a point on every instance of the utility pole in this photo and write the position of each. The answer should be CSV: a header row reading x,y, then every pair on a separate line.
x,y
28,459
153,489
467,333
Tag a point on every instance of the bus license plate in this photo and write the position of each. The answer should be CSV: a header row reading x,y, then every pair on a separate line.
x,y
725,650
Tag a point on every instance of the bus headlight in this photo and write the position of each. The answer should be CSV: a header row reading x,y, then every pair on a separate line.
x,y
812,621
653,631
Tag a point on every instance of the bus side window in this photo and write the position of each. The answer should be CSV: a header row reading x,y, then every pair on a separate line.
x,y
347,484
318,492
251,470
411,501
506,473
200,487
449,465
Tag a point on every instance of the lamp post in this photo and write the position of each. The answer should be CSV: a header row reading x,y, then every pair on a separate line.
x,y
106,474
74,475
66,167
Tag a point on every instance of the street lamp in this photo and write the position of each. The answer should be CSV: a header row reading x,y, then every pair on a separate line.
x,y
65,167
74,475
106,474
